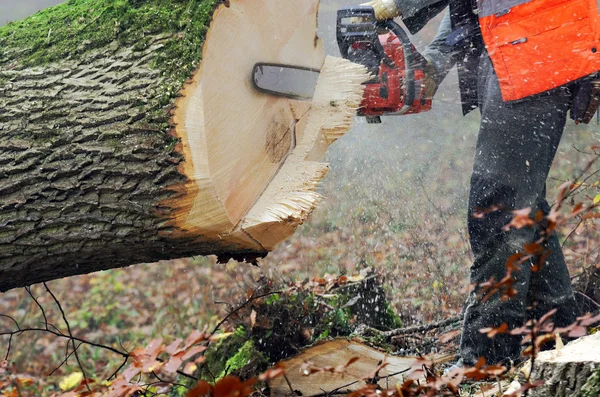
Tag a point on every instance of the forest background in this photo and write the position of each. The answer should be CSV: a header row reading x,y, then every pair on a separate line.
x,y
395,200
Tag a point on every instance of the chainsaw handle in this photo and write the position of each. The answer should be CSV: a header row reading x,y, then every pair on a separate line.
x,y
350,32
409,58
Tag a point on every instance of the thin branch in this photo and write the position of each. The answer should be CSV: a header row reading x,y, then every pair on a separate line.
x,y
168,382
12,319
28,289
118,369
288,383
571,233
415,329
65,360
237,309
8,350
589,299
336,391
60,334
64,316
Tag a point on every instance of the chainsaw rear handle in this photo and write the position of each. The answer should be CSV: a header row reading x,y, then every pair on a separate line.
x,y
349,32
409,60
359,24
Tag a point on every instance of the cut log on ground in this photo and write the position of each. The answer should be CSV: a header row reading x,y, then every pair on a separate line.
x,y
572,371
130,133
355,376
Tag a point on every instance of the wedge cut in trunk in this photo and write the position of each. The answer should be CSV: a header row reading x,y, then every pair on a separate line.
x,y
130,132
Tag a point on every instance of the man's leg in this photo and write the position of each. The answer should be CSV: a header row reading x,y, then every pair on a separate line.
x,y
516,145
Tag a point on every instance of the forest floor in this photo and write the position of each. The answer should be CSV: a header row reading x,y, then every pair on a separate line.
x,y
402,213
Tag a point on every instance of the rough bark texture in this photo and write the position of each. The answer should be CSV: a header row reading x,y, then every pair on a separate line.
x,y
86,154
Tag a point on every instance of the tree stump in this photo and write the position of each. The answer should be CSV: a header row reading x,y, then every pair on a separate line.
x,y
572,371
130,133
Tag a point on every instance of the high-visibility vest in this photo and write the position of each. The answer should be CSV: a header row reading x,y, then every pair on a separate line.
x,y
538,45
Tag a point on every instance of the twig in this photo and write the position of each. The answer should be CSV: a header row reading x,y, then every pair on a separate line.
x,y
65,360
64,316
588,298
237,309
10,318
28,289
571,233
336,391
288,383
60,334
168,382
415,329
114,374
9,346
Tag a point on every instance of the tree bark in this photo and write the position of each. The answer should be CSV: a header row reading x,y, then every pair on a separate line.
x,y
119,146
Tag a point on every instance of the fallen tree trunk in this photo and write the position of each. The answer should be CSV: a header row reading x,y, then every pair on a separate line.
x,y
118,145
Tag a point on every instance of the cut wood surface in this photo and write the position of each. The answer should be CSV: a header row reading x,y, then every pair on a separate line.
x,y
335,353
108,158
573,370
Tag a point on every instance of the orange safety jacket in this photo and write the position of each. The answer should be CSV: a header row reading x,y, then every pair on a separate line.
x,y
538,45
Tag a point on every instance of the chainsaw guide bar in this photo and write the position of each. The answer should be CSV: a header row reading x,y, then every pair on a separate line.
x,y
295,82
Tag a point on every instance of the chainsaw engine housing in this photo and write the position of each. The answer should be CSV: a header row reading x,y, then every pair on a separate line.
x,y
385,49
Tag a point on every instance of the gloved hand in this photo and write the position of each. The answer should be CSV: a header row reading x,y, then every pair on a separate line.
x,y
384,9
585,100
430,82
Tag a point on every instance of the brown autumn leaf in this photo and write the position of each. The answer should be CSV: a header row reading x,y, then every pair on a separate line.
x,y
122,388
202,388
174,363
195,338
532,248
491,332
588,320
271,373
520,219
352,361
448,336
232,386
173,347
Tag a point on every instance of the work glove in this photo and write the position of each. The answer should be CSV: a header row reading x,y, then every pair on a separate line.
x,y
430,82
586,100
384,9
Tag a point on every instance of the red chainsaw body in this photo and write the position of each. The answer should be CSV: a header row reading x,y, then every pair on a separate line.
x,y
386,95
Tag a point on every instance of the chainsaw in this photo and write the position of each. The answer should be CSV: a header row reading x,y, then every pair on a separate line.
x,y
398,82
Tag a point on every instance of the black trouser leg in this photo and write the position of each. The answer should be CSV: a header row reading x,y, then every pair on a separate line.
x,y
515,149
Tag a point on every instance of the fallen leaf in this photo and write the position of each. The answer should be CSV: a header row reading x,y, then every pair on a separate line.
x,y
70,381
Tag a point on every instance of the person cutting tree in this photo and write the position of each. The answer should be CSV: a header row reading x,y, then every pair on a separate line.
x,y
524,64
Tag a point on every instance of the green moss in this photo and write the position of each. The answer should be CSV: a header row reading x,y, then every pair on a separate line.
x,y
246,360
592,386
75,27
390,318
219,354
72,30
